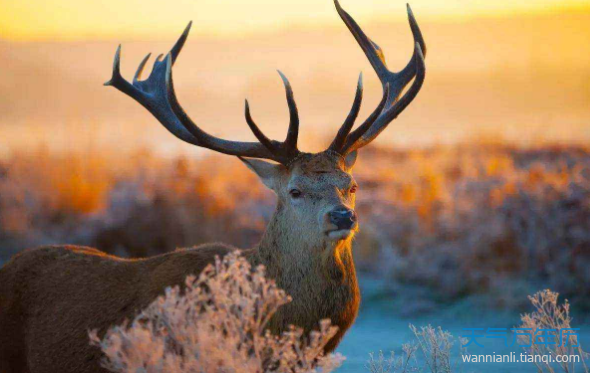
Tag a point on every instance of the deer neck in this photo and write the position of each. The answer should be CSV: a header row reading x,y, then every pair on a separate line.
x,y
292,256
320,278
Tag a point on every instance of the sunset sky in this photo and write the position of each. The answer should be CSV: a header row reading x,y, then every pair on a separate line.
x,y
149,19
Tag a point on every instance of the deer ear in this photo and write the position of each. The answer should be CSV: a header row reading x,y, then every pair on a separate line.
x,y
350,159
269,173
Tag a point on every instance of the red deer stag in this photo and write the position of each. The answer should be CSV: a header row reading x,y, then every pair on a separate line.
x,y
50,297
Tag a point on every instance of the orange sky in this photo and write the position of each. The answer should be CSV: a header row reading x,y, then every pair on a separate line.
x,y
127,19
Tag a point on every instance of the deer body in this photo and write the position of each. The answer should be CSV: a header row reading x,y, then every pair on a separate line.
x,y
51,297
58,293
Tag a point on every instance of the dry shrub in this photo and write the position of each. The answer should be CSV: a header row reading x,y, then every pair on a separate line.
x,y
217,325
406,363
549,314
141,207
464,219
436,347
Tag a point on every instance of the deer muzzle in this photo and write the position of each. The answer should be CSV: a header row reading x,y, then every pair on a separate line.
x,y
343,218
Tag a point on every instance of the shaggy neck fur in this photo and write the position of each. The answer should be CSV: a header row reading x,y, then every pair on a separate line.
x,y
319,276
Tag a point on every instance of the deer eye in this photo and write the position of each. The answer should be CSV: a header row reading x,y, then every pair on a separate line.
x,y
354,189
295,193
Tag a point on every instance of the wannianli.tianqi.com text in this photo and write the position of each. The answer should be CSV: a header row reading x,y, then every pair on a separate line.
x,y
522,357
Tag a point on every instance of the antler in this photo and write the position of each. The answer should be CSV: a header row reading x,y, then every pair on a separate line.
x,y
157,95
288,148
393,84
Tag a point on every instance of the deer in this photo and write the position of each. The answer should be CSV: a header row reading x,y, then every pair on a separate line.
x,y
50,297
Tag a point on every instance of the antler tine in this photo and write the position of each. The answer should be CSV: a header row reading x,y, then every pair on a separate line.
x,y
116,73
389,114
286,150
340,139
363,128
365,43
256,131
374,53
293,131
175,51
408,72
140,68
393,83
133,91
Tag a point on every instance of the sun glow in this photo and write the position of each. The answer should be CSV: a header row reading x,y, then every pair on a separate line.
x,y
149,19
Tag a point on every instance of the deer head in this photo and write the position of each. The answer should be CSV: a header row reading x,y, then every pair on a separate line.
x,y
316,192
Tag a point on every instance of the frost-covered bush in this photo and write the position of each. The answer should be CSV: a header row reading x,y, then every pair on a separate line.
x,y
549,314
217,324
431,351
141,207
405,363
470,219
436,346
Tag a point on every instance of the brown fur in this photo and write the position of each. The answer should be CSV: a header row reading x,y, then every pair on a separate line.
x,y
51,297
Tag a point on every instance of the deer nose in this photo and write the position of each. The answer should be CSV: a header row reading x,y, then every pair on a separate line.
x,y
343,218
